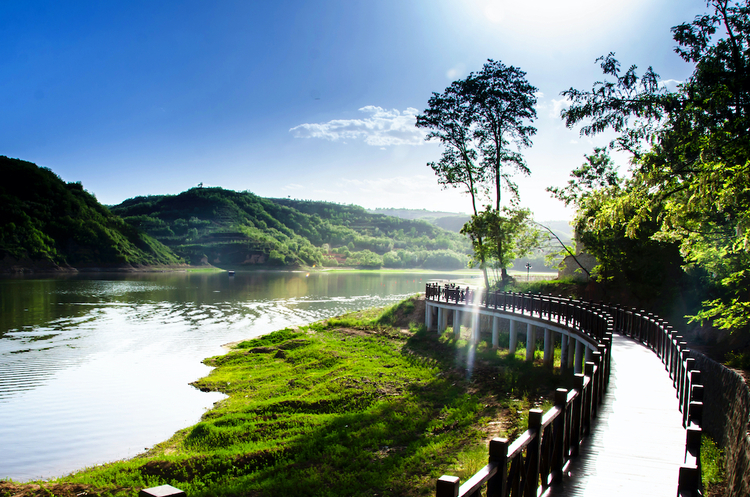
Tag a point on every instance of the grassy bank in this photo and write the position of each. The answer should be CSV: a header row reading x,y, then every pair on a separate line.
x,y
363,404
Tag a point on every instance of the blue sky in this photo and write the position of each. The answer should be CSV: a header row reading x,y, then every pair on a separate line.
x,y
313,100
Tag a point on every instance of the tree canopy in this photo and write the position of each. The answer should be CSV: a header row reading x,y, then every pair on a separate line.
x,y
689,182
483,122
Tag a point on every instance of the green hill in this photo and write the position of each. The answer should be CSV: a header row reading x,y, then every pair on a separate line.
x,y
230,229
47,223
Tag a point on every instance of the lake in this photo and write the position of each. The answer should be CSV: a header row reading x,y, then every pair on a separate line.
x,y
96,367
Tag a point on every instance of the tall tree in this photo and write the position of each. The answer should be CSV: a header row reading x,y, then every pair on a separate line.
x,y
449,119
502,106
691,154
483,121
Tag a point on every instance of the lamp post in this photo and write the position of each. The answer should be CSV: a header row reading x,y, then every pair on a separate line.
x,y
528,267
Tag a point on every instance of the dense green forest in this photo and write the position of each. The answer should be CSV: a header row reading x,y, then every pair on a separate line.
x,y
229,228
48,223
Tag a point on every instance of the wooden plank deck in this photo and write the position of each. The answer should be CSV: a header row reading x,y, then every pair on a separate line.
x,y
637,442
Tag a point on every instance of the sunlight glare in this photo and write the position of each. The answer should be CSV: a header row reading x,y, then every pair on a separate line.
x,y
553,18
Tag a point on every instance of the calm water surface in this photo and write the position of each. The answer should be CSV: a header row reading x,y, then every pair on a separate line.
x,y
95,368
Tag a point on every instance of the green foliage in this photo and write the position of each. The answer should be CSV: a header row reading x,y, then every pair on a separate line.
x,y
47,220
445,259
712,463
235,228
273,338
738,360
477,119
500,237
366,258
563,286
687,200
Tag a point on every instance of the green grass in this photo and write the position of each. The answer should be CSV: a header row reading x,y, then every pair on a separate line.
x,y
348,406
712,463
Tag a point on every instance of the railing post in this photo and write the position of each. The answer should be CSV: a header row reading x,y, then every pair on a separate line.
x,y
533,453
675,372
608,342
577,430
596,375
447,486
496,486
686,387
696,393
558,457
579,359
589,397
684,354
676,366
695,414
604,366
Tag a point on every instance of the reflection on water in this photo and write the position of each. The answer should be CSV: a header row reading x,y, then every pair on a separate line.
x,y
96,367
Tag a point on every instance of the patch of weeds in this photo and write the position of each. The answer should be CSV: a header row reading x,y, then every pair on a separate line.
x,y
469,461
393,314
738,360
273,338
712,465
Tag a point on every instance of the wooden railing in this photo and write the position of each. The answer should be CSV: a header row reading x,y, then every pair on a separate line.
x,y
671,348
537,458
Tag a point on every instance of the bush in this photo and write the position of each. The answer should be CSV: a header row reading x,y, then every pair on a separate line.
x,y
366,258
445,259
276,258
330,262
391,259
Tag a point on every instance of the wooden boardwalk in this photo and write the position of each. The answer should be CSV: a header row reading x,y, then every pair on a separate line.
x,y
637,442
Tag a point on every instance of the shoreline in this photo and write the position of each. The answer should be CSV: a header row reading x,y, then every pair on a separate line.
x,y
378,382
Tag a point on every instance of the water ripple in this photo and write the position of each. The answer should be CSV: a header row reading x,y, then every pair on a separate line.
x,y
93,370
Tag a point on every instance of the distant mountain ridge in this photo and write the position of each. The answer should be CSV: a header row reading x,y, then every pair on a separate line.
x,y
225,227
48,224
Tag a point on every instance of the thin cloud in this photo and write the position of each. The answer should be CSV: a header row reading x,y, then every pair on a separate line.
x,y
456,71
559,105
291,187
382,128
670,84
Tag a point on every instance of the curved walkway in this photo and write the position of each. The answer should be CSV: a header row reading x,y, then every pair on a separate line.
x,y
637,442
638,365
